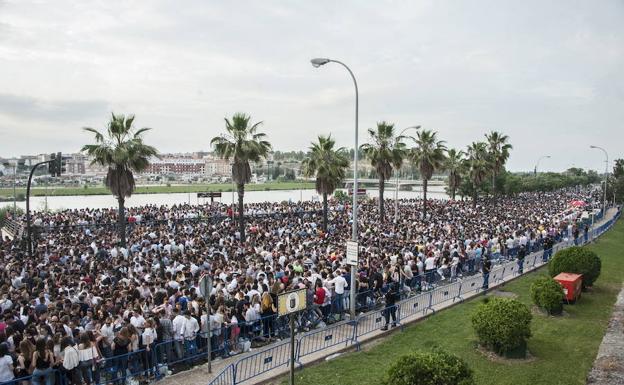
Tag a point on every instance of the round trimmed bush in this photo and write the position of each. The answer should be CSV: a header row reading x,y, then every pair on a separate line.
x,y
503,325
547,294
578,260
429,368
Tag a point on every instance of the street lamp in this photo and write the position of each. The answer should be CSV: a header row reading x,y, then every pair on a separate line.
x,y
604,200
396,191
538,162
317,62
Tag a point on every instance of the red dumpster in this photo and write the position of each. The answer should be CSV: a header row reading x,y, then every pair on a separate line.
x,y
571,284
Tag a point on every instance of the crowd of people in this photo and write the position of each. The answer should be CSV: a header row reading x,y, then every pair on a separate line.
x,y
84,303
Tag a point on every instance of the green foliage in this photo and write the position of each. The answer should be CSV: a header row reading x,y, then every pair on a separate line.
x,y
547,294
341,196
502,324
579,260
429,368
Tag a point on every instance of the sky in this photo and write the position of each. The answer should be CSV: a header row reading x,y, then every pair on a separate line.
x,y
546,73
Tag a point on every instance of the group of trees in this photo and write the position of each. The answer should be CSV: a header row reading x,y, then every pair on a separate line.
x,y
615,185
122,150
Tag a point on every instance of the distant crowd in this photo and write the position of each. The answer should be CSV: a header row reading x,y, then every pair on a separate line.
x,y
84,302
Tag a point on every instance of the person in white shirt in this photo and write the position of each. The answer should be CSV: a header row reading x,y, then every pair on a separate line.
x,y
148,338
190,327
339,283
178,324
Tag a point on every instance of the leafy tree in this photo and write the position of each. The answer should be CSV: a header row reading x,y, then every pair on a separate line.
x,y
243,144
478,167
329,166
498,148
122,150
385,153
428,156
454,165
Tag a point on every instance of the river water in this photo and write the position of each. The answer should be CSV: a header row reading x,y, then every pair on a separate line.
x,y
105,201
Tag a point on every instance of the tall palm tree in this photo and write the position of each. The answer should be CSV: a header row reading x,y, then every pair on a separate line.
x,y
478,166
454,164
243,144
385,153
329,166
498,149
428,156
122,150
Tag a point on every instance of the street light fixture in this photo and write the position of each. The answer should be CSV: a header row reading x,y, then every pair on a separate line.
x,y
317,62
538,162
396,191
604,199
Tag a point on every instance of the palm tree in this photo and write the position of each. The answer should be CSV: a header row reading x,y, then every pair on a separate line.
x,y
243,144
428,156
454,164
478,166
498,149
328,165
122,150
385,153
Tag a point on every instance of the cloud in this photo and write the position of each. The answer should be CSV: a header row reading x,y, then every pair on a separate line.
x,y
29,108
548,74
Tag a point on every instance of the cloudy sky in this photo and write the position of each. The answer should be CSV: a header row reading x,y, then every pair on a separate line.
x,y
548,74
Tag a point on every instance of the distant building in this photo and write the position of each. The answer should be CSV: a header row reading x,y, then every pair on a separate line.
x,y
75,164
176,166
217,167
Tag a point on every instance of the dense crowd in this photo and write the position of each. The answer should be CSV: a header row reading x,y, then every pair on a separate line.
x,y
83,301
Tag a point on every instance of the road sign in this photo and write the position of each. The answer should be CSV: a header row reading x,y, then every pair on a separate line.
x,y
205,285
352,253
210,194
291,302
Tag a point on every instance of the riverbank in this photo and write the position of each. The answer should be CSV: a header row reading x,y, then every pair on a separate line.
x,y
157,189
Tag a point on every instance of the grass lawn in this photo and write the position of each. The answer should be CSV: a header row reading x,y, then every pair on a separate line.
x,y
159,189
564,348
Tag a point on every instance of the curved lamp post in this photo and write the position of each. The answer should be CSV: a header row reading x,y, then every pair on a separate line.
x,y
317,62
538,162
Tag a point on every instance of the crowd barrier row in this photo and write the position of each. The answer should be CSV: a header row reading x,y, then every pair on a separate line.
x,y
350,332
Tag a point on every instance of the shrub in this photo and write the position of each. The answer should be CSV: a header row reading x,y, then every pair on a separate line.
x,y
429,368
577,260
547,294
503,325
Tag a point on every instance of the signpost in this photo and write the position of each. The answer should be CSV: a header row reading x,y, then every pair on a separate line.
x,y
205,288
211,195
290,303
352,253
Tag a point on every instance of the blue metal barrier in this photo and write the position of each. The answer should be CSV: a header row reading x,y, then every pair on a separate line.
x,y
470,284
414,305
261,362
443,294
318,340
226,377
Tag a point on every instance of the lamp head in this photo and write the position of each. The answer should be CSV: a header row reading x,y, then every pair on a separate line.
x,y
592,146
317,62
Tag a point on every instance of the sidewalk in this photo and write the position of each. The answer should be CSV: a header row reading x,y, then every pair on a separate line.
x,y
200,375
609,365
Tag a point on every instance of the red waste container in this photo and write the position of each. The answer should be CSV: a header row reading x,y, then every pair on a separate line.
x,y
571,284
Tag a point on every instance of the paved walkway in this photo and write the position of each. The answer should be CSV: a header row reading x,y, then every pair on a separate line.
x,y
609,365
199,374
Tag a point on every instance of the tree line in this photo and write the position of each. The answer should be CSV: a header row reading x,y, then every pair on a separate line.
x,y
476,170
